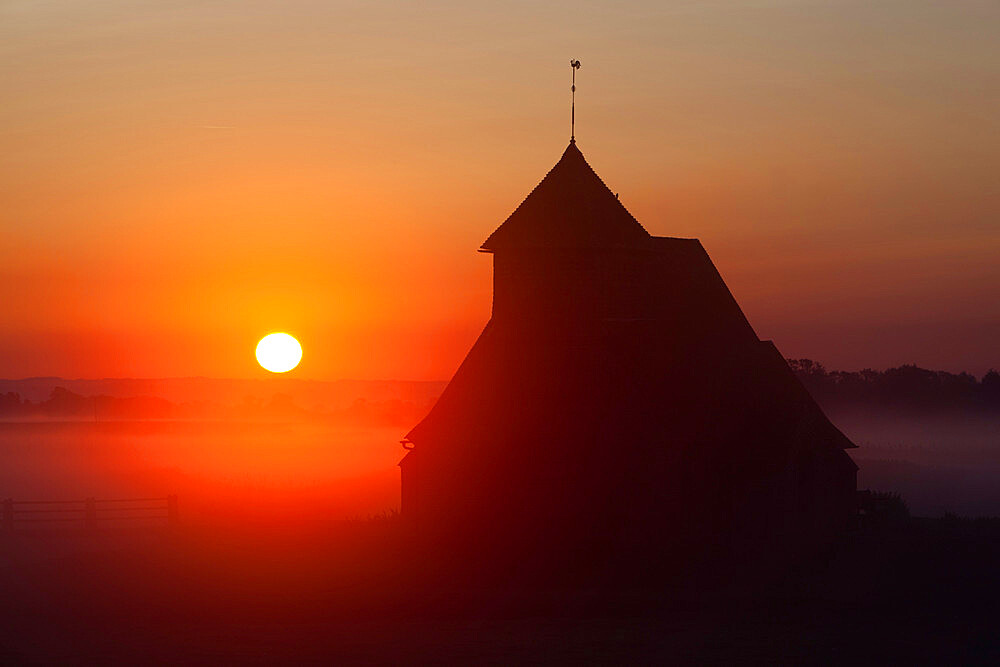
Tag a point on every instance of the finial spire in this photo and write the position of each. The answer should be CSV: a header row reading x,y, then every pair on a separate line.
x,y
574,65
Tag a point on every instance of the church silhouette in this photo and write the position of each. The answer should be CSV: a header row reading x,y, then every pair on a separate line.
x,y
618,403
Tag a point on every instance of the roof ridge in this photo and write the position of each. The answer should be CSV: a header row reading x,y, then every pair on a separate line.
x,y
572,144
599,218
598,177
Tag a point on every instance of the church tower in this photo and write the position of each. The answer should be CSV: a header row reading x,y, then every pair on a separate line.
x,y
618,401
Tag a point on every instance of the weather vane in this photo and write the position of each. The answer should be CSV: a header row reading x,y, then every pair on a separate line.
x,y
574,65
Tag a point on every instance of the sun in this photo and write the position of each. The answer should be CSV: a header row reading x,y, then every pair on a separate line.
x,y
279,352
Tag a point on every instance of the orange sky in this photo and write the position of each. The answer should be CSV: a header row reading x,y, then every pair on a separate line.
x,y
178,179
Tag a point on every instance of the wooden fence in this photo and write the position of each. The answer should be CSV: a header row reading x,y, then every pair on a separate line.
x,y
89,512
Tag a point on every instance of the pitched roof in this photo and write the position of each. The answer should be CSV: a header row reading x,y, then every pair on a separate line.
x,y
571,207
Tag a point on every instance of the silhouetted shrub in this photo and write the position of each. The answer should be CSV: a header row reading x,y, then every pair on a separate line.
x,y
881,509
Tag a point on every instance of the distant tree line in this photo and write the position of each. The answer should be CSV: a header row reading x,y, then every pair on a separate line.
x,y
63,404
907,386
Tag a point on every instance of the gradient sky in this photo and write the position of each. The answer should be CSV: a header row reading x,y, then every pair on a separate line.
x,y
178,179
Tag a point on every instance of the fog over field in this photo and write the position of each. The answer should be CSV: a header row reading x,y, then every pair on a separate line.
x,y
292,469
938,463
288,449
295,450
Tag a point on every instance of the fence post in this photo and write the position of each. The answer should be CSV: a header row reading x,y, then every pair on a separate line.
x,y
172,517
8,514
90,512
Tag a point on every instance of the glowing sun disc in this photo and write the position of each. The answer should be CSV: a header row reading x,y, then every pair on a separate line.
x,y
279,352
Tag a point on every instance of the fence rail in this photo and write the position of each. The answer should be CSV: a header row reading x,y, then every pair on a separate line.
x,y
88,511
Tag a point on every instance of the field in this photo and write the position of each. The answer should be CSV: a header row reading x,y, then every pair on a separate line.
x,y
288,550
923,591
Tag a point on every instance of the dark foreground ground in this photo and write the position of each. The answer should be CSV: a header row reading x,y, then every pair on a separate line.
x,y
926,591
